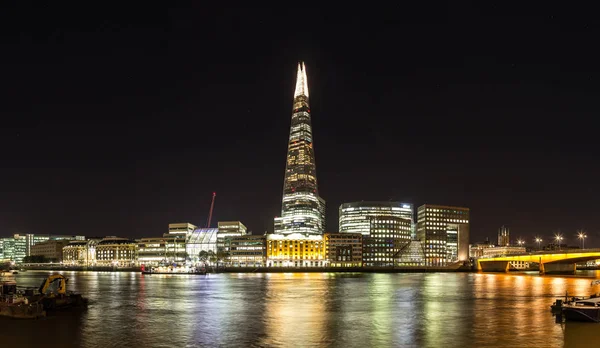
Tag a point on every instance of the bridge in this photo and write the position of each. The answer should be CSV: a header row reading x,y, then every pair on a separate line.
x,y
550,261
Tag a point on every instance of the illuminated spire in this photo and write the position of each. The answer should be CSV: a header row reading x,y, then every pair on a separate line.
x,y
301,81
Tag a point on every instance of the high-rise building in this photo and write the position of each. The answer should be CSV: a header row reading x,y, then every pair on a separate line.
x,y
387,236
444,233
302,211
356,217
503,236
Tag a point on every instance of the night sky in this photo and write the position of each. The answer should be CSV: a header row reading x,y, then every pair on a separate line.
x,y
118,121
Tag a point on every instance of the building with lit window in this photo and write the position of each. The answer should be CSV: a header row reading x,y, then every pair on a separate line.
x,y
80,252
18,246
295,250
201,239
387,236
503,236
51,250
228,229
444,232
343,249
180,229
303,210
356,217
161,251
246,250
116,252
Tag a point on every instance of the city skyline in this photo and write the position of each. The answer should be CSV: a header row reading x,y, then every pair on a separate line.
x,y
117,124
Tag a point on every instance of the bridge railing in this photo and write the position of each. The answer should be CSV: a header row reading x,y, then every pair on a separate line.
x,y
545,252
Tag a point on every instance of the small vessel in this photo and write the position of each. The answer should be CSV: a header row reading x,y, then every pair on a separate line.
x,y
171,270
583,310
15,305
53,294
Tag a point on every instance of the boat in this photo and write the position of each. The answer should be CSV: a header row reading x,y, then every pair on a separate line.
x,y
583,310
173,270
53,294
16,305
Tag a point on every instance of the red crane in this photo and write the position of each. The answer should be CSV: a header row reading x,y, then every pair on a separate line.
x,y
212,205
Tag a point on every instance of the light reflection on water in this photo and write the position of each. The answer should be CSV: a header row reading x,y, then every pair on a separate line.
x,y
309,309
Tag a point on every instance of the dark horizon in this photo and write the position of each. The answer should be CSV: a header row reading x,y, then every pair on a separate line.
x,y
121,122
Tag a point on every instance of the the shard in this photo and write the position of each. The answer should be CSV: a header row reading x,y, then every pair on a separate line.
x,y
302,211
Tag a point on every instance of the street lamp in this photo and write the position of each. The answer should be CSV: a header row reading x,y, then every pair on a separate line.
x,y
538,240
558,238
581,235
520,242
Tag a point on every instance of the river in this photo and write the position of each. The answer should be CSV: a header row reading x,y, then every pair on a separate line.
x,y
309,310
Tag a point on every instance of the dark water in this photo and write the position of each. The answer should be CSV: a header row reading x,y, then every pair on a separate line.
x,y
309,310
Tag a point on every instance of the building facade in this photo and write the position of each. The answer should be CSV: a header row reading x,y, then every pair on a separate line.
x,y
295,250
116,252
51,250
228,229
246,250
18,246
444,232
161,251
201,240
180,229
303,210
343,249
503,236
80,252
356,217
387,236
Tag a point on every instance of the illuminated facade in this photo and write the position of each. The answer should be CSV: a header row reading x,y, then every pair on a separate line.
x,y
18,246
180,229
80,252
295,250
344,249
52,250
444,232
503,236
116,252
356,217
201,239
246,251
303,211
161,251
411,255
387,236
228,229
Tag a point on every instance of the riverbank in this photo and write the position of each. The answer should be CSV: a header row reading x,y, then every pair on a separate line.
x,y
266,269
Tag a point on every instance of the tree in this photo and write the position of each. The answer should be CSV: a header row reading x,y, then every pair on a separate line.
x,y
212,258
203,255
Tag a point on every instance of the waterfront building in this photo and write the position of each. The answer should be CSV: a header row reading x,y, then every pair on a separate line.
x,y
80,252
18,246
303,210
116,252
476,250
201,239
411,255
387,236
444,232
246,250
180,229
295,250
51,250
343,249
161,251
228,229
503,236
356,217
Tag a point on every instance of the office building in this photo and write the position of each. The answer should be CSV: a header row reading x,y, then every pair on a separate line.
x,y
180,229
356,217
246,250
161,251
303,210
116,252
295,250
444,232
387,236
228,229
343,249
81,252
201,240
51,250
18,246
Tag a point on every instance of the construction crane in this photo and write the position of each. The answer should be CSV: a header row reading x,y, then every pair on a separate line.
x,y
212,205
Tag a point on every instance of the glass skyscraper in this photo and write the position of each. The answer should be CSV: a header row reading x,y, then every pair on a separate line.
x,y
303,211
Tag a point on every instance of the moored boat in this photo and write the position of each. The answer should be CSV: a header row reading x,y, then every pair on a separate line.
x,y
15,305
583,310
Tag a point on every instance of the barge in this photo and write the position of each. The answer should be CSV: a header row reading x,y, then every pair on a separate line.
x,y
18,306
